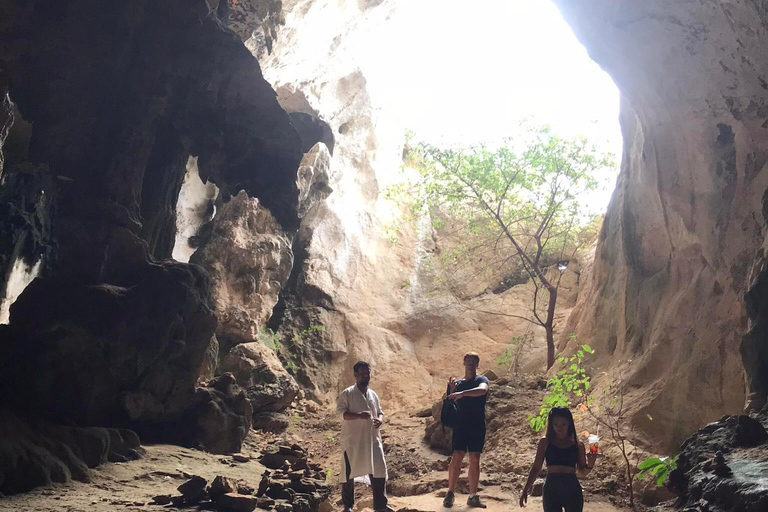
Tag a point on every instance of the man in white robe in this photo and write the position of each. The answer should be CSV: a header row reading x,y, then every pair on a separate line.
x,y
362,449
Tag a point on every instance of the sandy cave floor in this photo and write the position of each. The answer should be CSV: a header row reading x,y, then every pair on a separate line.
x,y
418,474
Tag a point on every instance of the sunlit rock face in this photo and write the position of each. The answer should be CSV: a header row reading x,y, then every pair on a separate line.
x,y
683,238
347,275
350,277
119,96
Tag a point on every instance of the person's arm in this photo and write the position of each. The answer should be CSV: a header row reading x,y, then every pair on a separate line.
x,y
379,419
342,406
365,415
480,390
535,470
585,463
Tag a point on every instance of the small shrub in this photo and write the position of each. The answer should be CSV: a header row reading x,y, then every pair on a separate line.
x,y
658,468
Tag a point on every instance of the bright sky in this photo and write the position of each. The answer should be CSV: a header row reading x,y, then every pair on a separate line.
x,y
467,72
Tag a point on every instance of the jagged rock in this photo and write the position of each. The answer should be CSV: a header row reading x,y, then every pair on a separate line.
x,y
720,468
239,457
163,499
265,503
749,432
491,375
210,364
236,502
193,490
221,485
283,506
727,481
538,488
269,386
249,258
223,416
245,488
275,457
312,178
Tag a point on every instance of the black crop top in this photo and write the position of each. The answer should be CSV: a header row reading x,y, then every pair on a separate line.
x,y
555,456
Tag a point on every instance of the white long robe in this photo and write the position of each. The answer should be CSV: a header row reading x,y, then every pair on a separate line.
x,y
359,439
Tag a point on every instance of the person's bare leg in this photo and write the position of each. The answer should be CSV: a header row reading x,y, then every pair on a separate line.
x,y
454,470
474,472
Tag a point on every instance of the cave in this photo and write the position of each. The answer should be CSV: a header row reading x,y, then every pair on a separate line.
x,y
184,183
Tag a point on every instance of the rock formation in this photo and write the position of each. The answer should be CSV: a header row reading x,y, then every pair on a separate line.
x,y
33,453
721,466
683,238
118,97
249,258
270,388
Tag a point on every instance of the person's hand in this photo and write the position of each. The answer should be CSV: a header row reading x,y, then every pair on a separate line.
x,y
365,415
591,459
524,496
376,422
456,396
451,385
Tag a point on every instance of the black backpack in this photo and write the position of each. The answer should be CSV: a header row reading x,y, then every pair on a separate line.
x,y
449,416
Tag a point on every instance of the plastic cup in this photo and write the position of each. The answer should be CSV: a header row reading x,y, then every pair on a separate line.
x,y
593,442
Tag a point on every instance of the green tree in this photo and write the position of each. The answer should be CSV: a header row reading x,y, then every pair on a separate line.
x,y
524,199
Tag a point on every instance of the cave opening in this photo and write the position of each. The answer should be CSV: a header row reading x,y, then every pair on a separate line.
x,y
159,293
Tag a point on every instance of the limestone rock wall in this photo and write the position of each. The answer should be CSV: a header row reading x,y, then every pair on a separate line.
x,y
683,237
118,96
348,276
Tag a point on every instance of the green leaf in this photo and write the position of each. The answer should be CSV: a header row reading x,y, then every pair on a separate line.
x,y
649,462
587,349
649,417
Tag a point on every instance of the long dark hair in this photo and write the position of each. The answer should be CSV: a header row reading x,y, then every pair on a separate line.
x,y
562,412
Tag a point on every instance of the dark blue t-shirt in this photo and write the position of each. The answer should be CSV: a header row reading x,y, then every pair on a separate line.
x,y
472,408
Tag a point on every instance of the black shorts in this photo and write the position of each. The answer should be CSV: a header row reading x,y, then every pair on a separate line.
x,y
468,439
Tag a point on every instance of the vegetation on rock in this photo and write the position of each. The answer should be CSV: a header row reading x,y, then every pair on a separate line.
x,y
512,212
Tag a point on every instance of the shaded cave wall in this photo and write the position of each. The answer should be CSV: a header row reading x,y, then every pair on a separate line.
x,y
118,96
683,237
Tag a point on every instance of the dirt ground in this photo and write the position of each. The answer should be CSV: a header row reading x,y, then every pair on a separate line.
x,y
418,474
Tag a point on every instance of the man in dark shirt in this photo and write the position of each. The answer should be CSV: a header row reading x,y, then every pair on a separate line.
x,y
470,394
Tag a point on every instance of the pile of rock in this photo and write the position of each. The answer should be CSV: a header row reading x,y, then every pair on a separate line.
x,y
223,492
295,485
291,484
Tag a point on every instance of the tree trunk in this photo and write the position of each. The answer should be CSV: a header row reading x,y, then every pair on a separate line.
x,y
549,326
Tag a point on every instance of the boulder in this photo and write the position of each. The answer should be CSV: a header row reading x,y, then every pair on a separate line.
x,y
749,432
271,421
236,502
249,258
711,465
269,387
221,485
193,490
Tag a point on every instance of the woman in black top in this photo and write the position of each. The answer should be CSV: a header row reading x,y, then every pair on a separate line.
x,y
565,457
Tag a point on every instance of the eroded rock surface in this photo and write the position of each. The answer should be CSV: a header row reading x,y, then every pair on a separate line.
x,y
118,96
683,237
249,258
256,367
34,453
722,467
